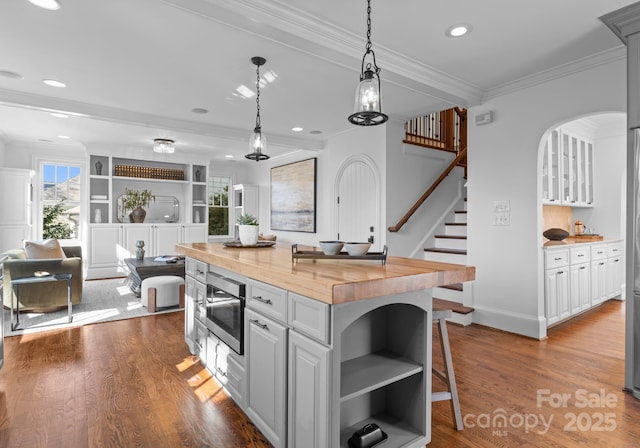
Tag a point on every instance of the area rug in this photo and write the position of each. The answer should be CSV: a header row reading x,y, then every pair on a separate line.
x,y
102,301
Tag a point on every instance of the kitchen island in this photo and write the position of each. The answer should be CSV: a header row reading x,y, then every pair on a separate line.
x,y
329,345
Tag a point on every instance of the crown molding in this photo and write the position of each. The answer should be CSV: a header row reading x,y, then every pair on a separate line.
x,y
110,114
570,68
623,22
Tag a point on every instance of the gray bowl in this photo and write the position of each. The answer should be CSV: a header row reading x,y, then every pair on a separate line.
x,y
331,247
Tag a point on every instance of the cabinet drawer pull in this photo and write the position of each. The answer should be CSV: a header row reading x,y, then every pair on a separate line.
x,y
221,372
257,322
560,272
265,301
582,267
580,255
601,264
557,259
616,260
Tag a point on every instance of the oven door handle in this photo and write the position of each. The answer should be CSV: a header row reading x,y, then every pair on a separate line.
x,y
257,323
265,301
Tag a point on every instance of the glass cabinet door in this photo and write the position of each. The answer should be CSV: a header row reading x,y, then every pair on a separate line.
x,y
551,170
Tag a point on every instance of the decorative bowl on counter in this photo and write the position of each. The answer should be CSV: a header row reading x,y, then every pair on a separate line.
x,y
357,249
555,234
331,247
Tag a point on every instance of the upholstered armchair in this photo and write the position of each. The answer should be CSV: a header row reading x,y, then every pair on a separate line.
x,y
42,297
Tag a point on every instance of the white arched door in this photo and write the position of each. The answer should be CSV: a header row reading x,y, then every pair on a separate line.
x,y
358,202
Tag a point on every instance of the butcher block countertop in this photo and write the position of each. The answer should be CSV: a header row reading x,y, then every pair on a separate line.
x,y
331,281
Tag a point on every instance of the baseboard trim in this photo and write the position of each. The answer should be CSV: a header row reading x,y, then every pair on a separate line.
x,y
530,326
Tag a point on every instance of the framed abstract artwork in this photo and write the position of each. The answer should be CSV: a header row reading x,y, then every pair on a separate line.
x,y
293,196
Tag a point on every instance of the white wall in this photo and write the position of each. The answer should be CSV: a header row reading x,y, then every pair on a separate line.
x,y
21,154
504,162
410,171
2,151
368,140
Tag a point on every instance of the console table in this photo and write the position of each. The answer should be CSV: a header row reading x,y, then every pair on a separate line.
x,y
44,279
147,267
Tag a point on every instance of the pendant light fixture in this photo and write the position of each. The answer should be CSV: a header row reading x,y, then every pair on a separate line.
x,y
257,141
368,104
164,146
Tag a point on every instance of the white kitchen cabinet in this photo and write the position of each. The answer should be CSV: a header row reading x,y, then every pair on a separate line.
x,y
557,294
189,312
580,287
599,292
567,170
308,407
595,274
193,233
266,364
227,367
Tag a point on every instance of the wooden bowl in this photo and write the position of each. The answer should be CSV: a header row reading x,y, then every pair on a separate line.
x,y
555,234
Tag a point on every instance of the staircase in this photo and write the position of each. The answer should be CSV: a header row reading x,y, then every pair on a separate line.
x,y
450,246
445,131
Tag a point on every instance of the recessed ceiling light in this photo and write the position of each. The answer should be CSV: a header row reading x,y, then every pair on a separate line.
x,y
10,74
315,132
54,83
458,30
59,115
229,156
199,110
64,137
51,5
297,129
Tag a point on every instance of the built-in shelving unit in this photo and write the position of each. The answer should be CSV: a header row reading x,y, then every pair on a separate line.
x,y
384,381
178,214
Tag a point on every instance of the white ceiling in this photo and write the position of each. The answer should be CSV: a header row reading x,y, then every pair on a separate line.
x,y
135,69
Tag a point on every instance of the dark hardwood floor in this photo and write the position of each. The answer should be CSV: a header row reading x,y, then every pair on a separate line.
x,y
133,384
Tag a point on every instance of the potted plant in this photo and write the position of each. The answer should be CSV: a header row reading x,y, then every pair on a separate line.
x,y
135,201
248,229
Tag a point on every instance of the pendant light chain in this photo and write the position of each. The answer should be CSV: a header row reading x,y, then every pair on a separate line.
x,y
258,97
368,47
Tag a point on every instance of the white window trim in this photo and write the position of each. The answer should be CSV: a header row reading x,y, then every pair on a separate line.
x,y
231,234
38,167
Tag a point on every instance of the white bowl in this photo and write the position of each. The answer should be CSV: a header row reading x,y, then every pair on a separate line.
x,y
356,249
331,247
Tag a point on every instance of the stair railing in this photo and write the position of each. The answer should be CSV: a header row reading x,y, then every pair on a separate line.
x,y
461,155
445,130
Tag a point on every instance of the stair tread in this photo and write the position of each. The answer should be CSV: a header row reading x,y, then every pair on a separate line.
x,y
452,237
441,304
446,251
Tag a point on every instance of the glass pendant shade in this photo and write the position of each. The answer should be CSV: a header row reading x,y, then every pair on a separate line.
x,y
163,146
257,142
368,107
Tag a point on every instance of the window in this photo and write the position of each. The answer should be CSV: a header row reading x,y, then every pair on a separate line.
x,y
60,200
218,202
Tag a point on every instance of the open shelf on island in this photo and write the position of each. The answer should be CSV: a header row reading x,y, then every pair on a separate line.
x,y
374,370
399,433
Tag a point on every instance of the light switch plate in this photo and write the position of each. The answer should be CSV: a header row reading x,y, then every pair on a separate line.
x,y
501,206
